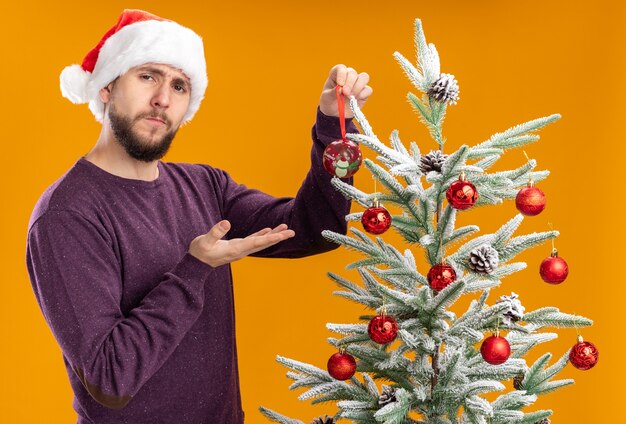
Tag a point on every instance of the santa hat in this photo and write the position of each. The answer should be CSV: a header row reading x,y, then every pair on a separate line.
x,y
137,38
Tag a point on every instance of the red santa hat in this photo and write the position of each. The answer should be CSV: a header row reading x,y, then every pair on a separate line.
x,y
137,38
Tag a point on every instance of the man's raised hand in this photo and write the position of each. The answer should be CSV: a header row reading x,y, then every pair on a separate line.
x,y
212,250
354,84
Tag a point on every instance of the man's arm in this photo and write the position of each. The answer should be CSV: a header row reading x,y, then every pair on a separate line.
x,y
77,281
317,206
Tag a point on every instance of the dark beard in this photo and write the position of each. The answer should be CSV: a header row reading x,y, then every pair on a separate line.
x,y
135,146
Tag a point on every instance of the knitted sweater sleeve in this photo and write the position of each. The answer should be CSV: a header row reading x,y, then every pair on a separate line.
x,y
316,207
76,279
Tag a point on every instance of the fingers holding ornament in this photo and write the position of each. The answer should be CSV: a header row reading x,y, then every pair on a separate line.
x,y
350,83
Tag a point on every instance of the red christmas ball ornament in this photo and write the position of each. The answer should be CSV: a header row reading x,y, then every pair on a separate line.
x,y
584,355
341,366
462,194
495,350
530,200
342,158
382,329
553,269
376,219
441,276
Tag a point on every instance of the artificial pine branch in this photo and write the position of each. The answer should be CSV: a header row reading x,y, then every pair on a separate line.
x,y
535,417
427,57
352,192
518,135
276,417
347,284
554,318
411,72
478,153
521,345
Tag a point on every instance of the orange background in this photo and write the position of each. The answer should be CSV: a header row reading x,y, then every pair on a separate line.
x,y
267,62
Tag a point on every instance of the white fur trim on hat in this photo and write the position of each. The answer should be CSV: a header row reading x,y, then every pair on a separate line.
x,y
152,41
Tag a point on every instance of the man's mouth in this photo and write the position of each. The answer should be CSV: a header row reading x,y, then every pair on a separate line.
x,y
155,120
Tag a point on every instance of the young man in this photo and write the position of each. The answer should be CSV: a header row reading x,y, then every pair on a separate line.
x,y
129,256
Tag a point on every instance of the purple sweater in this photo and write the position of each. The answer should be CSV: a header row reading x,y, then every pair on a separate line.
x,y
147,331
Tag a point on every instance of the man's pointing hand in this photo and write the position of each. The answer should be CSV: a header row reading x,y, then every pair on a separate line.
x,y
212,250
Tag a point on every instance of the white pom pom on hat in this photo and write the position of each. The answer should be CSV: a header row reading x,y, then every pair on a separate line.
x,y
137,38
74,83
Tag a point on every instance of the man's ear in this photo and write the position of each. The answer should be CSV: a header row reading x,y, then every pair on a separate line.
x,y
105,93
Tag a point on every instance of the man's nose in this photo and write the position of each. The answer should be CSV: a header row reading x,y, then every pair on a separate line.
x,y
161,97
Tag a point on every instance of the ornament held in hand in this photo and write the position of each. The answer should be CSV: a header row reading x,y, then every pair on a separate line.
x,y
341,366
584,355
441,276
382,329
342,158
530,200
553,270
462,194
376,219
495,350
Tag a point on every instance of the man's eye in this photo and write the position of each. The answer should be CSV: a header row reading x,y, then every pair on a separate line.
x,y
146,77
180,88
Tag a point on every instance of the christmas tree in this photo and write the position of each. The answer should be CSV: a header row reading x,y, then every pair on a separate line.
x,y
431,365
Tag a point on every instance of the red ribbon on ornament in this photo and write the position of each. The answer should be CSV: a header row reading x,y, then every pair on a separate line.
x,y
342,112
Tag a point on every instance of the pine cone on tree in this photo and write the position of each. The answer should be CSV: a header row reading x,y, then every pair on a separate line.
x,y
544,421
517,381
387,396
484,259
433,161
323,420
445,89
515,311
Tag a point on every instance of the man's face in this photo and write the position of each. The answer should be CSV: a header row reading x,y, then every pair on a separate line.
x,y
145,107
